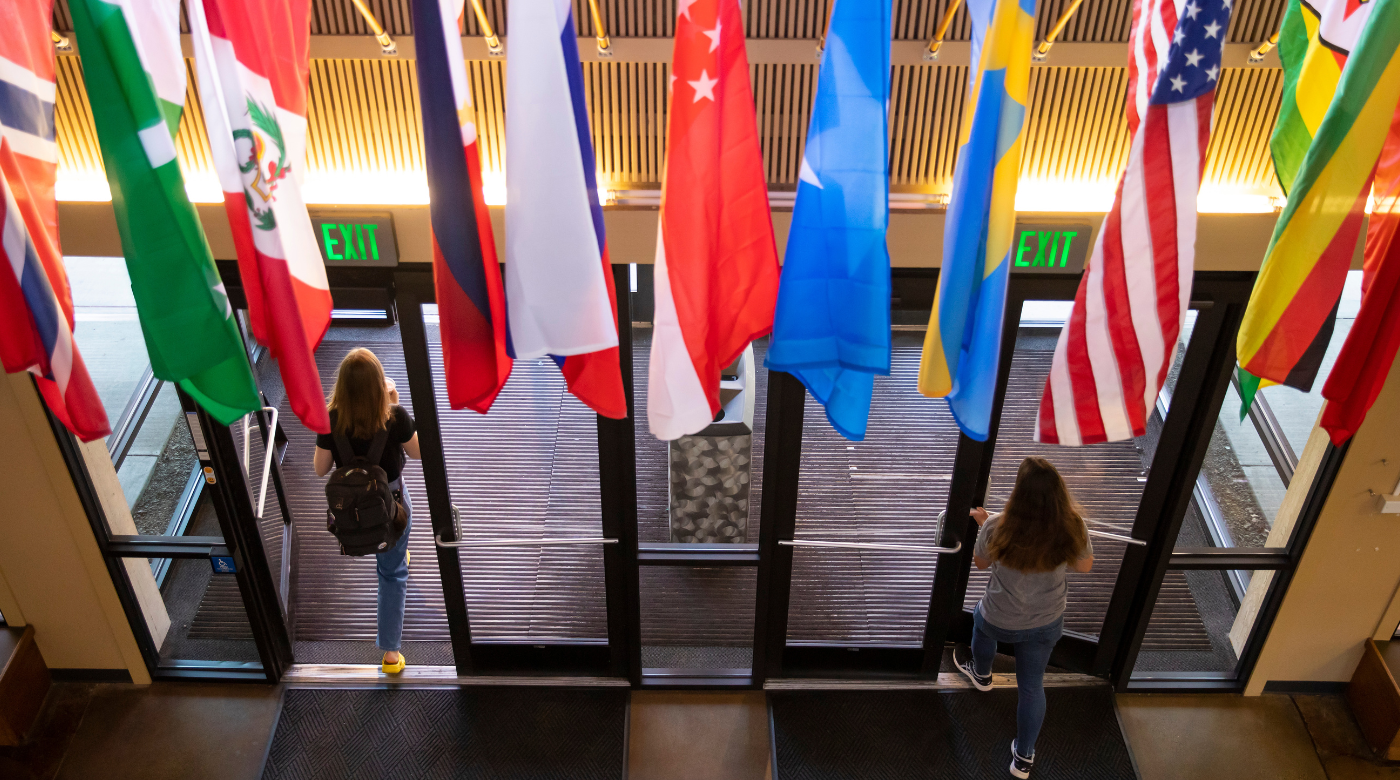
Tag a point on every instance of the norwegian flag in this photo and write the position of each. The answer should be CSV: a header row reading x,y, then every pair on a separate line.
x,y
1116,349
36,308
716,259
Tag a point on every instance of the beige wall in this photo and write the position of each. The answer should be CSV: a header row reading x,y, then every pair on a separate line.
x,y
52,575
1346,582
1225,242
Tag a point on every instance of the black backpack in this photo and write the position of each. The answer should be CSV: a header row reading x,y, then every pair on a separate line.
x,y
363,513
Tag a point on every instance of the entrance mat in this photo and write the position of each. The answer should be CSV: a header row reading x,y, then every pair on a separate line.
x,y
498,733
912,735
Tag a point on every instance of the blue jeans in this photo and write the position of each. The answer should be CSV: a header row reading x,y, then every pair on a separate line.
x,y
1033,646
392,568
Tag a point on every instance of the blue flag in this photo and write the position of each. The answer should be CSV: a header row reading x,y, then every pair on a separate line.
x,y
832,326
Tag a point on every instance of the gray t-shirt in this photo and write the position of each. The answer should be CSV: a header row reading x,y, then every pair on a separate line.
x,y
1017,600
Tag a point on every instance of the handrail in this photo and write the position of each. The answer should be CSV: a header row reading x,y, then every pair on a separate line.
x,y
871,546
1043,50
493,43
1257,56
269,449
936,43
525,542
386,44
604,45
1119,537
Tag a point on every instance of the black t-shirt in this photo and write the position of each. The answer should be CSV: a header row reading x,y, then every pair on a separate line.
x,y
400,430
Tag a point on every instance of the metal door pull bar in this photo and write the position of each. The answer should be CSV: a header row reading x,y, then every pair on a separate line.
x,y
523,542
870,546
1128,539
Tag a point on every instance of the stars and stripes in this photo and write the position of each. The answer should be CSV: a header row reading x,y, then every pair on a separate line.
x,y
1116,349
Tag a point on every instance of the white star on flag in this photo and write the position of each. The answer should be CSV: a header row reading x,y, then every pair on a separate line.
x,y
1193,57
1178,83
683,8
1213,73
1212,29
1178,36
1229,4
713,35
704,87
1191,10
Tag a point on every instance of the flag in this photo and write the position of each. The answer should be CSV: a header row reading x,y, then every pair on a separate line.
x,y
471,303
963,344
135,76
716,260
559,292
253,62
1288,322
1369,350
36,307
1313,43
1116,349
831,329
1313,46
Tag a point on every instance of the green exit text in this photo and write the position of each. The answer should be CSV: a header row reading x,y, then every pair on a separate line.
x,y
350,242
1047,243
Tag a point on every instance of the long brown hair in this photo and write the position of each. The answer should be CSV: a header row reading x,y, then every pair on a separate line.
x,y
1041,527
360,399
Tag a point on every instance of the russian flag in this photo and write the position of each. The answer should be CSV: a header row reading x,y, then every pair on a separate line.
x,y
558,276
471,304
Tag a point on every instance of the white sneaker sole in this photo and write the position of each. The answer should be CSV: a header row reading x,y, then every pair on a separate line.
x,y
966,672
1017,773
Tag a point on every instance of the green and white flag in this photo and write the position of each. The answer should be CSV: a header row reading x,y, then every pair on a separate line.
x,y
135,75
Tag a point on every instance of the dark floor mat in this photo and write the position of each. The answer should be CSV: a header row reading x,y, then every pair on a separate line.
x,y
911,735
495,733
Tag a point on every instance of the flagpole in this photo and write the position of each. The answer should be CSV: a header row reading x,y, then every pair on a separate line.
x,y
1257,56
1043,50
604,45
931,53
386,44
493,43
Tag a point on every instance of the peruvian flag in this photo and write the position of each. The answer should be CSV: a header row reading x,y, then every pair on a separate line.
x,y
253,60
716,260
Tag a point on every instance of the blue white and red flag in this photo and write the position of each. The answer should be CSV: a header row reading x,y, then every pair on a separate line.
x,y
559,287
36,307
1119,343
471,303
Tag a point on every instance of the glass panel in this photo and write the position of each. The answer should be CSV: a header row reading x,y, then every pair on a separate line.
x,y
336,595
698,618
886,489
203,611
1198,624
1106,479
107,331
1242,482
157,469
706,487
528,469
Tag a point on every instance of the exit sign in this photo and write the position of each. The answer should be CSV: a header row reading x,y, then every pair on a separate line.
x,y
356,238
1059,248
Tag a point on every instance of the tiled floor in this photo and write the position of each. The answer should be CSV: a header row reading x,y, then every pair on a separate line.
x,y
172,730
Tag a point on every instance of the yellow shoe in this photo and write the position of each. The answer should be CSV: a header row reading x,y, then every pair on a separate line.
x,y
393,668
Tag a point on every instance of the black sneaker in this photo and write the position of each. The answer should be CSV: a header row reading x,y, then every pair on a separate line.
x,y
963,660
1020,765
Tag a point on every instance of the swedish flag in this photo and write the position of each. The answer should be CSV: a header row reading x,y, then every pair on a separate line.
x,y
962,346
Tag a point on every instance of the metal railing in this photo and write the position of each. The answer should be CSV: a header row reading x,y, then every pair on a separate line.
x,y
871,546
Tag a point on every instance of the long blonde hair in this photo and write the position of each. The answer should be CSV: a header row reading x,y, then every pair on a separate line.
x,y
1041,527
360,399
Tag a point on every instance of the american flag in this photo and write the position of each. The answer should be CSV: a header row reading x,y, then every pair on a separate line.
x,y
1116,349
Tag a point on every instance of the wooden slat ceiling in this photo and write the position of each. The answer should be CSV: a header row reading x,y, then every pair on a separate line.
x,y
364,114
